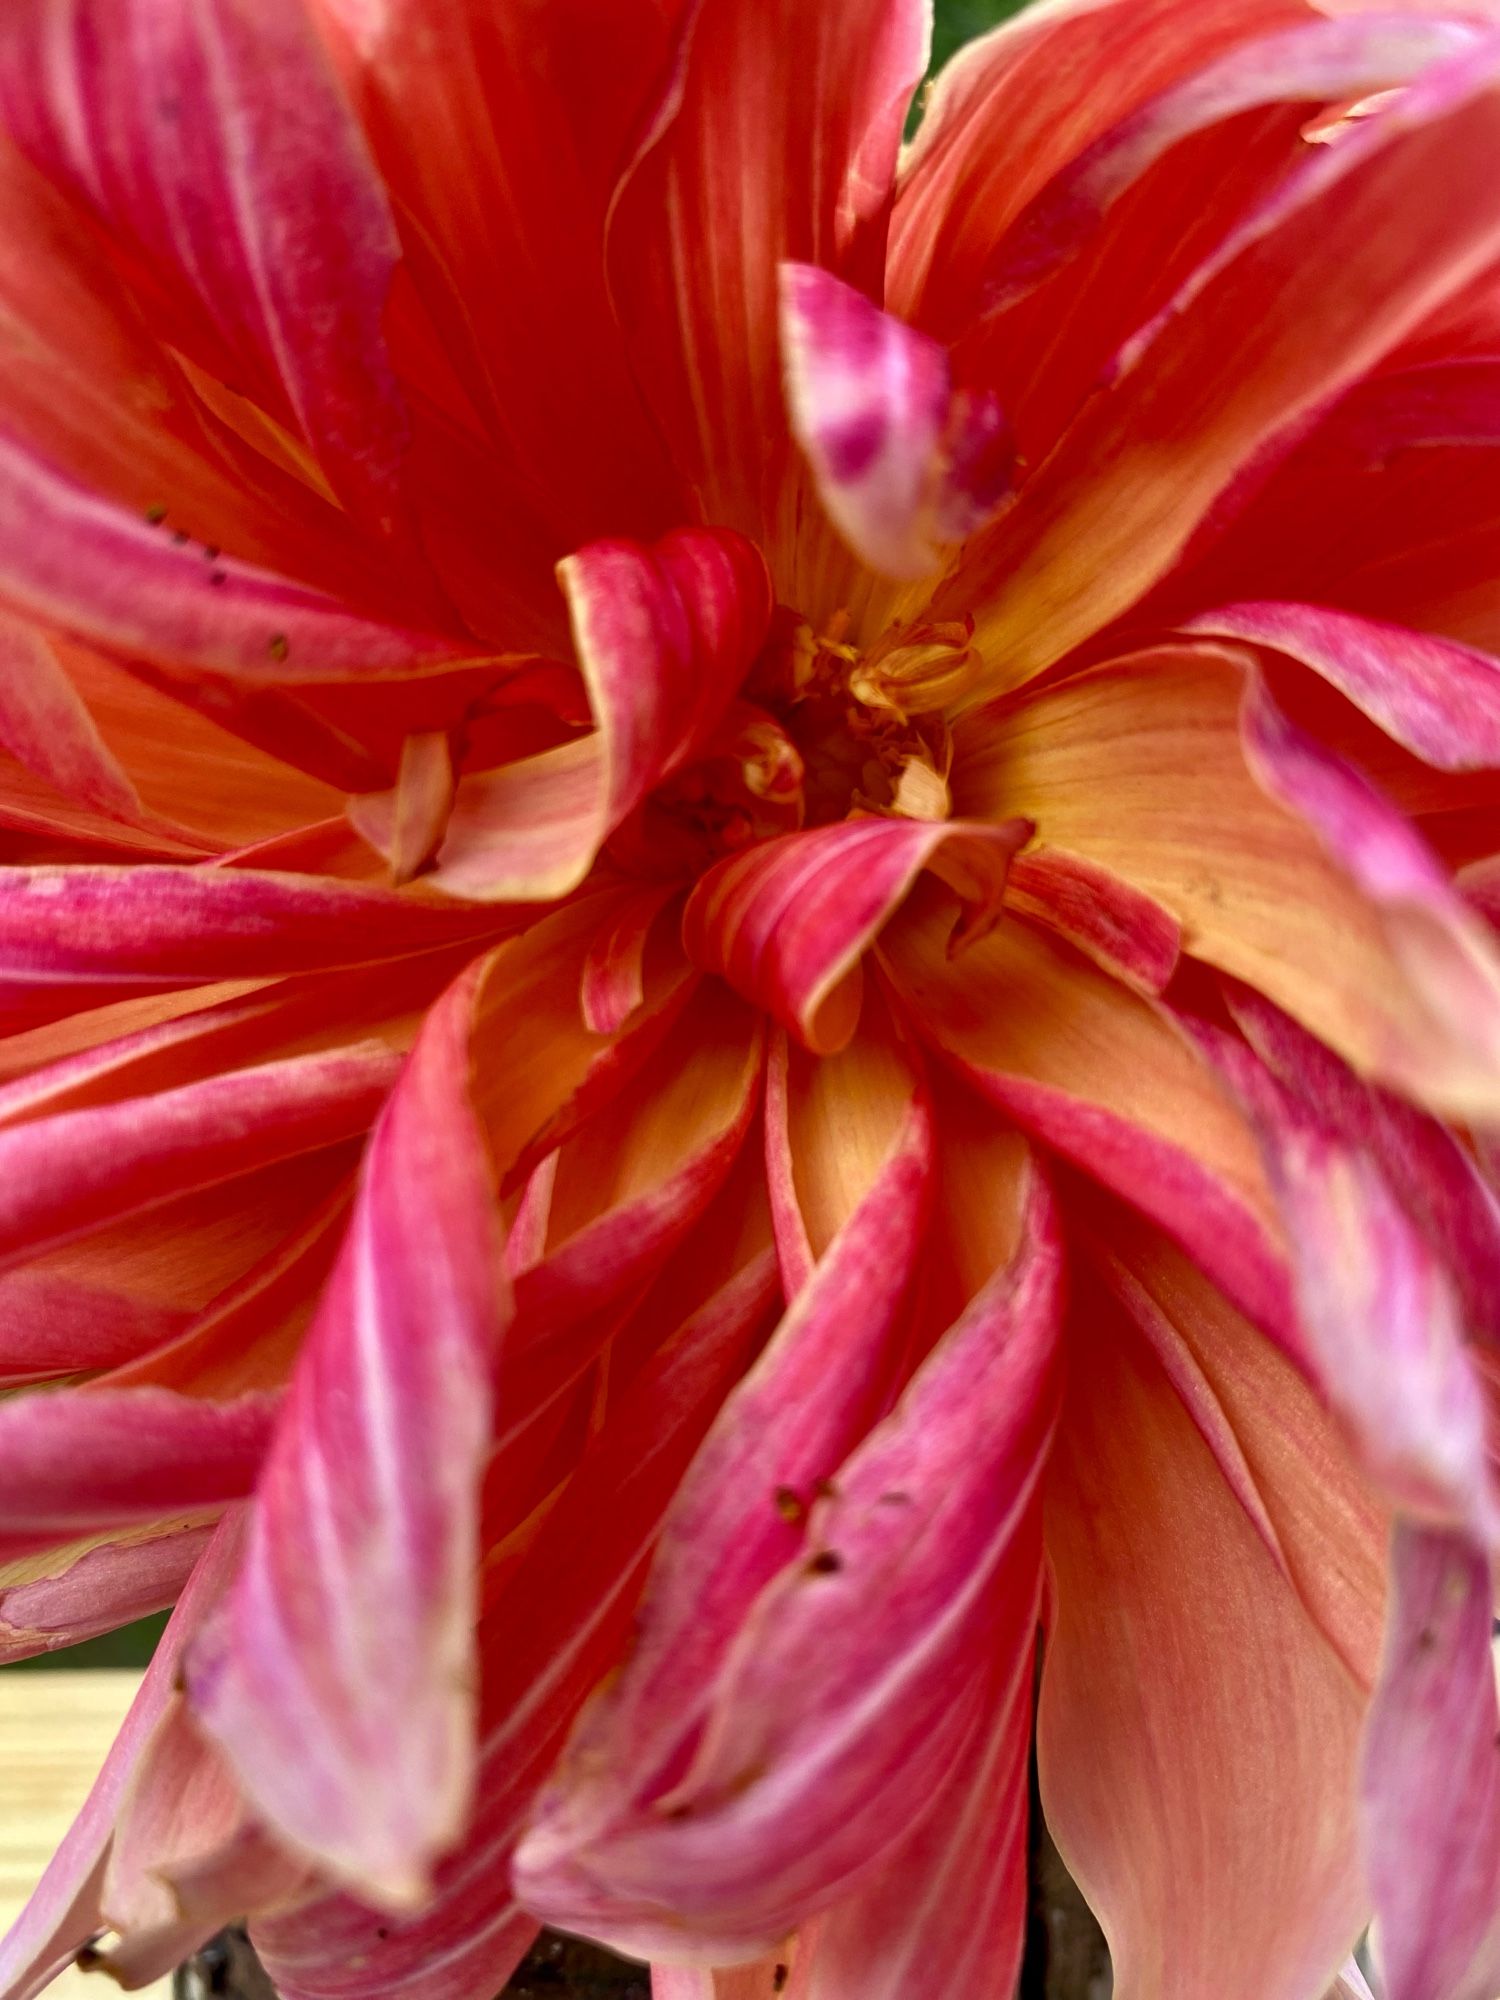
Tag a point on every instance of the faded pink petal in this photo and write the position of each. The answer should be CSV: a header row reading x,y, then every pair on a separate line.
x,y
1451,1058
64,1911
109,1585
1439,699
1431,1777
904,465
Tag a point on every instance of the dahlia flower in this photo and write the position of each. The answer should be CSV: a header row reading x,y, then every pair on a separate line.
x,y
751,1010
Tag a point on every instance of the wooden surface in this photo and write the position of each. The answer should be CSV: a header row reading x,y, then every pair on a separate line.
x,y
54,1731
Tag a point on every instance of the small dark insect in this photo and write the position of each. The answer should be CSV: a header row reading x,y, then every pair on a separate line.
x,y
790,1504
210,552
279,647
225,1969
826,1562
824,1489
157,514
218,576
778,1979
179,538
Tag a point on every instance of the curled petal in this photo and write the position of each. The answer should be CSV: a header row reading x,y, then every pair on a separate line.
x,y
552,1624
923,1556
64,1913
367,1511
108,1585
787,922
1450,1059
905,466
1441,700
406,824
1431,1778
664,636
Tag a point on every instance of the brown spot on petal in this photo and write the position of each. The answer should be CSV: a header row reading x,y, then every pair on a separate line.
x,y
827,1562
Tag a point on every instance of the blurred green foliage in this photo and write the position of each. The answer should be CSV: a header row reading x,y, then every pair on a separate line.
x,y
958,21
955,22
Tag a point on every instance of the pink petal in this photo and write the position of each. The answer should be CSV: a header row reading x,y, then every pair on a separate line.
x,y
903,465
46,726
1175,1625
64,1912
185,926
1432,1775
78,1460
1449,1057
788,921
366,1514
1378,1309
406,824
185,1859
212,149
788,1424
109,1585
947,1911
923,1555
550,1628
64,1176
665,636
527,832
1121,928
1441,1188
87,566
1439,699
614,974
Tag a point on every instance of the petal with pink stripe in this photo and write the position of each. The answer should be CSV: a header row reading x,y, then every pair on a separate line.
x,y
357,1750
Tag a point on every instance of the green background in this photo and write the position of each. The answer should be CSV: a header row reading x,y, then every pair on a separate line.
x,y
956,21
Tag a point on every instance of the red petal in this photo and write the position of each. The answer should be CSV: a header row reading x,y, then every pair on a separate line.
x,y
776,138
212,149
1260,337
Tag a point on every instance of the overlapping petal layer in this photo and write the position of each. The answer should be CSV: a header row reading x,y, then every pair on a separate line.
x,y
749,1005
